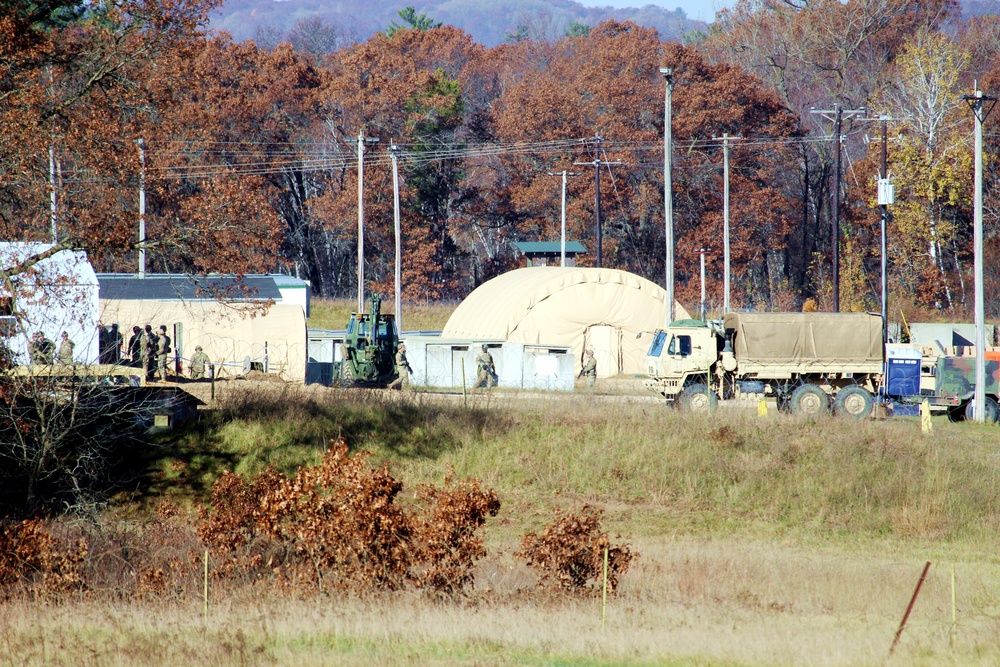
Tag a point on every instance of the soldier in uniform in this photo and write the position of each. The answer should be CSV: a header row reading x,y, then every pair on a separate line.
x,y
403,369
589,370
199,362
66,349
487,376
37,355
147,350
162,350
135,348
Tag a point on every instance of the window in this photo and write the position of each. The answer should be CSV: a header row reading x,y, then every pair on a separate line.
x,y
680,345
657,346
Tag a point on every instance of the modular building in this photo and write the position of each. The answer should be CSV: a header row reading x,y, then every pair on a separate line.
x,y
450,363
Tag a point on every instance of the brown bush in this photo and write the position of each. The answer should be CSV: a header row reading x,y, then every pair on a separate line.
x,y
33,563
569,553
337,525
446,535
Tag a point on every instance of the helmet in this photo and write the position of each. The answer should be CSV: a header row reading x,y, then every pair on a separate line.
x,y
484,347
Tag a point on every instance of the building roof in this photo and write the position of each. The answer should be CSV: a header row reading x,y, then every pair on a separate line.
x,y
176,287
549,247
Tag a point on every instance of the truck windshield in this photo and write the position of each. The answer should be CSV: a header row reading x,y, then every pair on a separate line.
x,y
657,346
679,345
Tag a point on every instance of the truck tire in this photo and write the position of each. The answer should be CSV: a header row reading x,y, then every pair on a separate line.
x,y
810,400
854,402
697,398
989,407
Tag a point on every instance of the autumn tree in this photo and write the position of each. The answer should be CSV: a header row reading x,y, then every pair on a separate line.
x,y
608,84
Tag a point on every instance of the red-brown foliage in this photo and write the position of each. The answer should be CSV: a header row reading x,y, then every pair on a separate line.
x,y
32,562
337,525
569,553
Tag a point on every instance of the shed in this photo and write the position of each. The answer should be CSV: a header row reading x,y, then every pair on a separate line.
x,y
232,332
572,307
59,293
545,253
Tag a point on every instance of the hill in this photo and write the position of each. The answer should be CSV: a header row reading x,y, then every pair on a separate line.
x,y
489,23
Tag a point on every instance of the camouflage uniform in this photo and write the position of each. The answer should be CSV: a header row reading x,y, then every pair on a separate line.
x,y
487,376
589,370
66,349
147,350
162,350
403,370
199,362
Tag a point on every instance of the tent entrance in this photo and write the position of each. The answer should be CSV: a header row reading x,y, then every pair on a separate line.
x,y
607,343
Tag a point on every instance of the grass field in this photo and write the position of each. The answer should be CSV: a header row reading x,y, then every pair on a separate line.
x,y
761,540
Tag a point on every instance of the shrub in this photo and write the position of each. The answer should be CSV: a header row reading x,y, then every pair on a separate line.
x,y
337,524
569,553
32,562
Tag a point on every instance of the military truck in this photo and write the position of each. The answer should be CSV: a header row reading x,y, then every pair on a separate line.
x,y
369,349
807,361
947,383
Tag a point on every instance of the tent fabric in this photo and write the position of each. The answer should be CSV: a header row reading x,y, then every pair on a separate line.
x,y
228,333
59,293
568,306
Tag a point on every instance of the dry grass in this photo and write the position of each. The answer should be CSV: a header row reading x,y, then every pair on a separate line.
x,y
761,541
688,602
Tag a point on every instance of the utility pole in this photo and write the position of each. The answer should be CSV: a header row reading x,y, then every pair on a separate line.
x,y
142,207
598,163
562,237
982,106
886,196
702,252
362,140
394,150
668,192
725,219
838,120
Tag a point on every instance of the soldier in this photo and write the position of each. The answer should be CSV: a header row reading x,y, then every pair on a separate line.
x,y
48,349
199,362
134,352
403,369
147,352
589,370
36,352
487,376
162,350
66,349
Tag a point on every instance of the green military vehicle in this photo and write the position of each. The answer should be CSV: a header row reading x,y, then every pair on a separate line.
x,y
369,349
954,381
806,361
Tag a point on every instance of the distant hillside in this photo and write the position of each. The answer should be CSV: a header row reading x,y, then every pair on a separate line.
x,y
488,21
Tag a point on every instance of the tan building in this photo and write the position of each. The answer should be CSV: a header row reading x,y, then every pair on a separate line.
x,y
261,322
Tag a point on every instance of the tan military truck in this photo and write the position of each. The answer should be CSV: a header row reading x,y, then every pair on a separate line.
x,y
807,361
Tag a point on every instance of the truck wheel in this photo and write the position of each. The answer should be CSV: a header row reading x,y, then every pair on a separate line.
x,y
697,398
989,407
810,400
855,402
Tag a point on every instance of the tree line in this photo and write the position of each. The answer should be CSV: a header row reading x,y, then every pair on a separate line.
x,y
249,155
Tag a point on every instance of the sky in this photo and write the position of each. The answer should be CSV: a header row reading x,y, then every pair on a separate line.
x,y
699,10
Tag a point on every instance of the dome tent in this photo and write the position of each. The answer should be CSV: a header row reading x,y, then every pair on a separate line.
x,y
576,307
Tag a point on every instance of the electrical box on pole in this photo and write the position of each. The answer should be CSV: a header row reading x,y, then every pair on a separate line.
x,y
886,192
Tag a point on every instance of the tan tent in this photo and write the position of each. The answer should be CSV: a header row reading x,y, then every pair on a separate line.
x,y
228,333
575,307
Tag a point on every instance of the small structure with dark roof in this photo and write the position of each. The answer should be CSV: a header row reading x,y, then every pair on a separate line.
x,y
548,253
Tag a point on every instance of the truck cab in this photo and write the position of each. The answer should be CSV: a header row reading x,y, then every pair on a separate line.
x,y
685,352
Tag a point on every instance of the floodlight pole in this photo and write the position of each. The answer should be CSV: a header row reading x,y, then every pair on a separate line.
x,y
725,219
702,252
981,106
668,195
